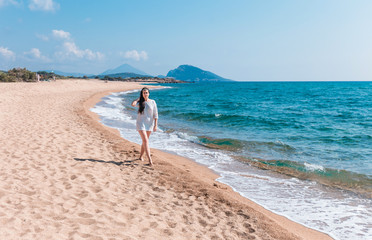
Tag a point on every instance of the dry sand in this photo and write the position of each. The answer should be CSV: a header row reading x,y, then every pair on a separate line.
x,y
63,175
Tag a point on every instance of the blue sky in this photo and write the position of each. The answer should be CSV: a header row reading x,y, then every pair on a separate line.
x,y
240,40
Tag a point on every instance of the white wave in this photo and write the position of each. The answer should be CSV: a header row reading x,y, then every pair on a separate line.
x,y
313,167
187,137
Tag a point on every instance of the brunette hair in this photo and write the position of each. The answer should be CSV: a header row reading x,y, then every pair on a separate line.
x,y
142,101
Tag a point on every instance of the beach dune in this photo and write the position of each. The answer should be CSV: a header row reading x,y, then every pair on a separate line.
x,y
63,175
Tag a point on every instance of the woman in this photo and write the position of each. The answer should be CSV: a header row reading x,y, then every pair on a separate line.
x,y
147,120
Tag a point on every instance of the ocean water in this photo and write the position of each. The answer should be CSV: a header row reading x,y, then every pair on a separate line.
x,y
300,149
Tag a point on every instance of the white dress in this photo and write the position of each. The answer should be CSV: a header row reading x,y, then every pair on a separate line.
x,y
146,120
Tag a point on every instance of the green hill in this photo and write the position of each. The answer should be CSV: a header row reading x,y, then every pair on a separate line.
x,y
193,74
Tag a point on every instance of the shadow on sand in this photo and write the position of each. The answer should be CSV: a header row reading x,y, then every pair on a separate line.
x,y
126,163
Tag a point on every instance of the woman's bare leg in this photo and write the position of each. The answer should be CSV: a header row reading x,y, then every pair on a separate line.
x,y
143,147
142,152
145,144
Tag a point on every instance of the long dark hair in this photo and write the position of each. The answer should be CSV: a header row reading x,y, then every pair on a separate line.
x,y
142,101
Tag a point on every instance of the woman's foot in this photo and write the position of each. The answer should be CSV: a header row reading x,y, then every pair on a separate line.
x,y
150,163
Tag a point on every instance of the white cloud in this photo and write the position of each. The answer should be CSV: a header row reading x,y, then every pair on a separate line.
x,y
42,37
43,5
8,2
135,55
34,5
61,34
35,53
71,50
7,54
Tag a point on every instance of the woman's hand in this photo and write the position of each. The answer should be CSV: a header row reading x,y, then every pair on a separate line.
x,y
155,124
135,102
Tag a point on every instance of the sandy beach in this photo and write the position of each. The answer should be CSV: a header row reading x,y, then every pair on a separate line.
x,y
66,176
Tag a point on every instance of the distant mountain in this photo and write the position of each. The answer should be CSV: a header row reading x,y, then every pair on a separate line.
x,y
68,74
125,68
123,75
193,74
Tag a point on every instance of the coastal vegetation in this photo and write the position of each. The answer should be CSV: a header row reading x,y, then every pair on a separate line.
x,y
44,75
140,79
18,75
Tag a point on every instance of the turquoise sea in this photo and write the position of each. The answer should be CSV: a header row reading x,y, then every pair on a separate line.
x,y
300,149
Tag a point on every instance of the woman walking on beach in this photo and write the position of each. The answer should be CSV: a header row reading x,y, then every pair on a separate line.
x,y
147,120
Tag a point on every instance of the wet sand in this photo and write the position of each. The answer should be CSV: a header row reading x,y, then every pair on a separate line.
x,y
66,176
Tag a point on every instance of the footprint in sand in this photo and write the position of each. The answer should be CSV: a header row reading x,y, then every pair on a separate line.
x,y
153,224
171,224
168,232
249,227
202,222
82,194
86,221
70,204
85,215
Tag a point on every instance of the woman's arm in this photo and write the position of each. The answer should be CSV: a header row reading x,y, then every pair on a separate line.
x,y
155,116
155,124
135,102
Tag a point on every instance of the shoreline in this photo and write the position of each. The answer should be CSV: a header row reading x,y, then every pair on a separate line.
x,y
209,177
67,176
